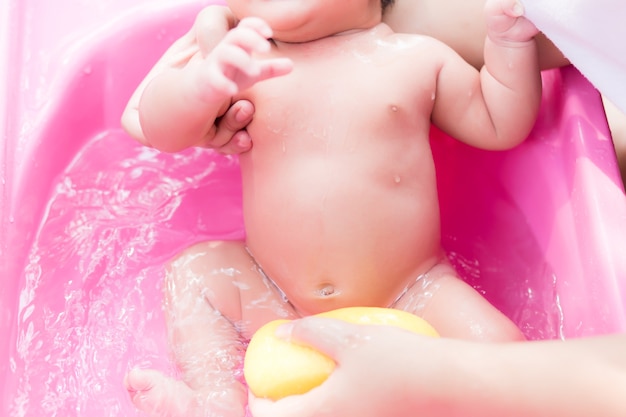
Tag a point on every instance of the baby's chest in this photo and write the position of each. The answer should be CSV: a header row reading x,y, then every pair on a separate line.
x,y
348,95
330,83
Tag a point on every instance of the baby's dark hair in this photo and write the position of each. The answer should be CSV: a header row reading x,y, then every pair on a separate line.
x,y
386,4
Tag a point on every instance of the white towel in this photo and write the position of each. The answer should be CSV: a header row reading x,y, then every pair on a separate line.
x,y
592,35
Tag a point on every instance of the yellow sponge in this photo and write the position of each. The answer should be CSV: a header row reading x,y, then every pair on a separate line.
x,y
275,368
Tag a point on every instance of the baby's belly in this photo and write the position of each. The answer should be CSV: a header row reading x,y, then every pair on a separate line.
x,y
334,236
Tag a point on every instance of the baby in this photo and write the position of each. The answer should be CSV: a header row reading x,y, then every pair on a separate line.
x,y
339,191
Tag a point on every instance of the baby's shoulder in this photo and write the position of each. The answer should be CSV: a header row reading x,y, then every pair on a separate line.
x,y
412,44
415,41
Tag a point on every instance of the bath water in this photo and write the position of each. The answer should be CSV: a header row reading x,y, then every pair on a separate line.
x,y
90,296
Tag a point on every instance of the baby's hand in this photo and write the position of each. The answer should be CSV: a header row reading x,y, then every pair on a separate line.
x,y
233,66
506,23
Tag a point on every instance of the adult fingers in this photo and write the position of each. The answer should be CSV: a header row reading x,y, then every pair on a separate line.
x,y
230,135
329,336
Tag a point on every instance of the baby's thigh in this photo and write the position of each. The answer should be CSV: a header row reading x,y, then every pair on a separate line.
x,y
456,309
226,280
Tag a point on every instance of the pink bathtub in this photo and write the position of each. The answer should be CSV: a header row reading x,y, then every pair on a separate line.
x,y
88,218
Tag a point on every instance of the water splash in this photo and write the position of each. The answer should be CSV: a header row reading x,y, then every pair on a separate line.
x,y
90,298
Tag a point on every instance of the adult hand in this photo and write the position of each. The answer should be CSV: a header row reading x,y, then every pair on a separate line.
x,y
381,371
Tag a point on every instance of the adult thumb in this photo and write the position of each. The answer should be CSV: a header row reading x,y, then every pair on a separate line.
x,y
329,336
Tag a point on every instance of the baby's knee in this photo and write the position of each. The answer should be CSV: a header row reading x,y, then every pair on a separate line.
x,y
210,258
456,309
199,272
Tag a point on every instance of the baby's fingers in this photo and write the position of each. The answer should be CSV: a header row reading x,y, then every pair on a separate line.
x,y
274,68
233,69
238,61
267,68
506,22
258,25
251,35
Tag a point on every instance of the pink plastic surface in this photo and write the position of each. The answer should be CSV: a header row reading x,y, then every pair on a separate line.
x,y
88,217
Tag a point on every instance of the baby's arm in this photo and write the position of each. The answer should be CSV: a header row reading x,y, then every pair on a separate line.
x,y
179,107
210,26
497,108
459,24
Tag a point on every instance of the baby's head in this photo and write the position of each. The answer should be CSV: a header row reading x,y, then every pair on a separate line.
x,y
308,20
386,4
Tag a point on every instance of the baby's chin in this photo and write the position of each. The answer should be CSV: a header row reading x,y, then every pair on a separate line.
x,y
293,21
302,33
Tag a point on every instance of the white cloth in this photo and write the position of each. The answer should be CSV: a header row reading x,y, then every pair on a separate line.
x,y
592,35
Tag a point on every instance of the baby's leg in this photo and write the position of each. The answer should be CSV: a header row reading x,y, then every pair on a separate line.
x,y
455,309
215,298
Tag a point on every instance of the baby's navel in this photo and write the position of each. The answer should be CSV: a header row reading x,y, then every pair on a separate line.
x,y
393,108
326,290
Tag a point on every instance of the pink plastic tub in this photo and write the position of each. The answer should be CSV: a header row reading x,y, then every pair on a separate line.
x,y
88,217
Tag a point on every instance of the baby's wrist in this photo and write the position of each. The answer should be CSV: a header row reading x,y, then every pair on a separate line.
x,y
505,42
202,88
